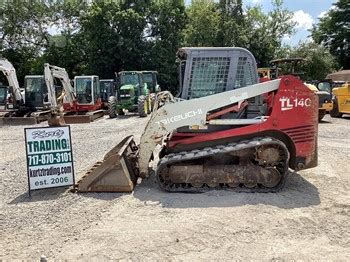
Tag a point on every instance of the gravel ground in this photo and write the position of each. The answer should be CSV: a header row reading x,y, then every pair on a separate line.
x,y
308,220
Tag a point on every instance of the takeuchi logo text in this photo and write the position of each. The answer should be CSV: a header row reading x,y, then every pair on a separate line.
x,y
45,134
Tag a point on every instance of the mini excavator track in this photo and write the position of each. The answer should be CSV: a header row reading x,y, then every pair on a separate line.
x,y
255,165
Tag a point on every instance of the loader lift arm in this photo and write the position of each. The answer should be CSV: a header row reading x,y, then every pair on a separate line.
x,y
192,113
10,72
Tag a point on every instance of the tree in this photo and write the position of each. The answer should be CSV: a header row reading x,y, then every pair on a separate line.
x,y
23,33
26,40
231,23
263,33
166,24
319,62
333,31
113,37
203,24
226,24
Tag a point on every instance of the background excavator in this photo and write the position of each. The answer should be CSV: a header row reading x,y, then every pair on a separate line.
x,y
18,108
223,131
69,107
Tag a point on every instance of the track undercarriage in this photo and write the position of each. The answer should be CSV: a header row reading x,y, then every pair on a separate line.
x,y
29,118
255,165
82,117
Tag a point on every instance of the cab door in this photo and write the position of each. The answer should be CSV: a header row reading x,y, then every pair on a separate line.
x,y
347,99
96,89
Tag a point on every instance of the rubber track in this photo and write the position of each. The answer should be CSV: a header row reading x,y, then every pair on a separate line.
x,y
223,149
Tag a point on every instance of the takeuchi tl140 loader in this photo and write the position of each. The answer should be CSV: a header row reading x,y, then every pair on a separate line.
x,y
224,131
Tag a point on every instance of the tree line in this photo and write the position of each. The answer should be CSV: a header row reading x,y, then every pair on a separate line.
x,y
104,37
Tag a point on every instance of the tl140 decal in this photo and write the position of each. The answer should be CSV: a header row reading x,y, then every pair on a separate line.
x,y
288,104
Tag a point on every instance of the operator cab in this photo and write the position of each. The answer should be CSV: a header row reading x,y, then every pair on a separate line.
x,y
3,97
325,86
150,78
36,94
87,89
107,89
130,85
206,71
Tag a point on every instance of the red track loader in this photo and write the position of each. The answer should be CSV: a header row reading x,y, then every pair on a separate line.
x,y
225,131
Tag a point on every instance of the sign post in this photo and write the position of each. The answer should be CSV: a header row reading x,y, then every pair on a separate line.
x,y
49,157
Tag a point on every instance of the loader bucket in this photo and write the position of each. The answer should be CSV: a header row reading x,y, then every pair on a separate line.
x,y
117,172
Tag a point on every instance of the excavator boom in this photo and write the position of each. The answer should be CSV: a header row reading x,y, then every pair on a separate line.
x,y
51,72
10,72
19,114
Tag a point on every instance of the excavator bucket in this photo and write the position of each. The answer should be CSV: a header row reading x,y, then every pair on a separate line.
x,y
117,172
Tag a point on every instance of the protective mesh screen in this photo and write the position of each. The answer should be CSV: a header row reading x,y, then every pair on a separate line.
x,y
208,76
244,76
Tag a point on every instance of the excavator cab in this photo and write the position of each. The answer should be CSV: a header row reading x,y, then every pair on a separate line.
x,y
108,88
87,89
36,94
3,97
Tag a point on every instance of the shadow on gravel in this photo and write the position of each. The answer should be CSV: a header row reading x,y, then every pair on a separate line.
x,y
39,195
54,193
102,196
297,193
127,116
322,122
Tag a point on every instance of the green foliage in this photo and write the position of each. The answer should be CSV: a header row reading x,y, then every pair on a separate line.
x,y
319,62
166,22
231,23
23,33
263,33
333,32
104,37
113,38
225,24
203,24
